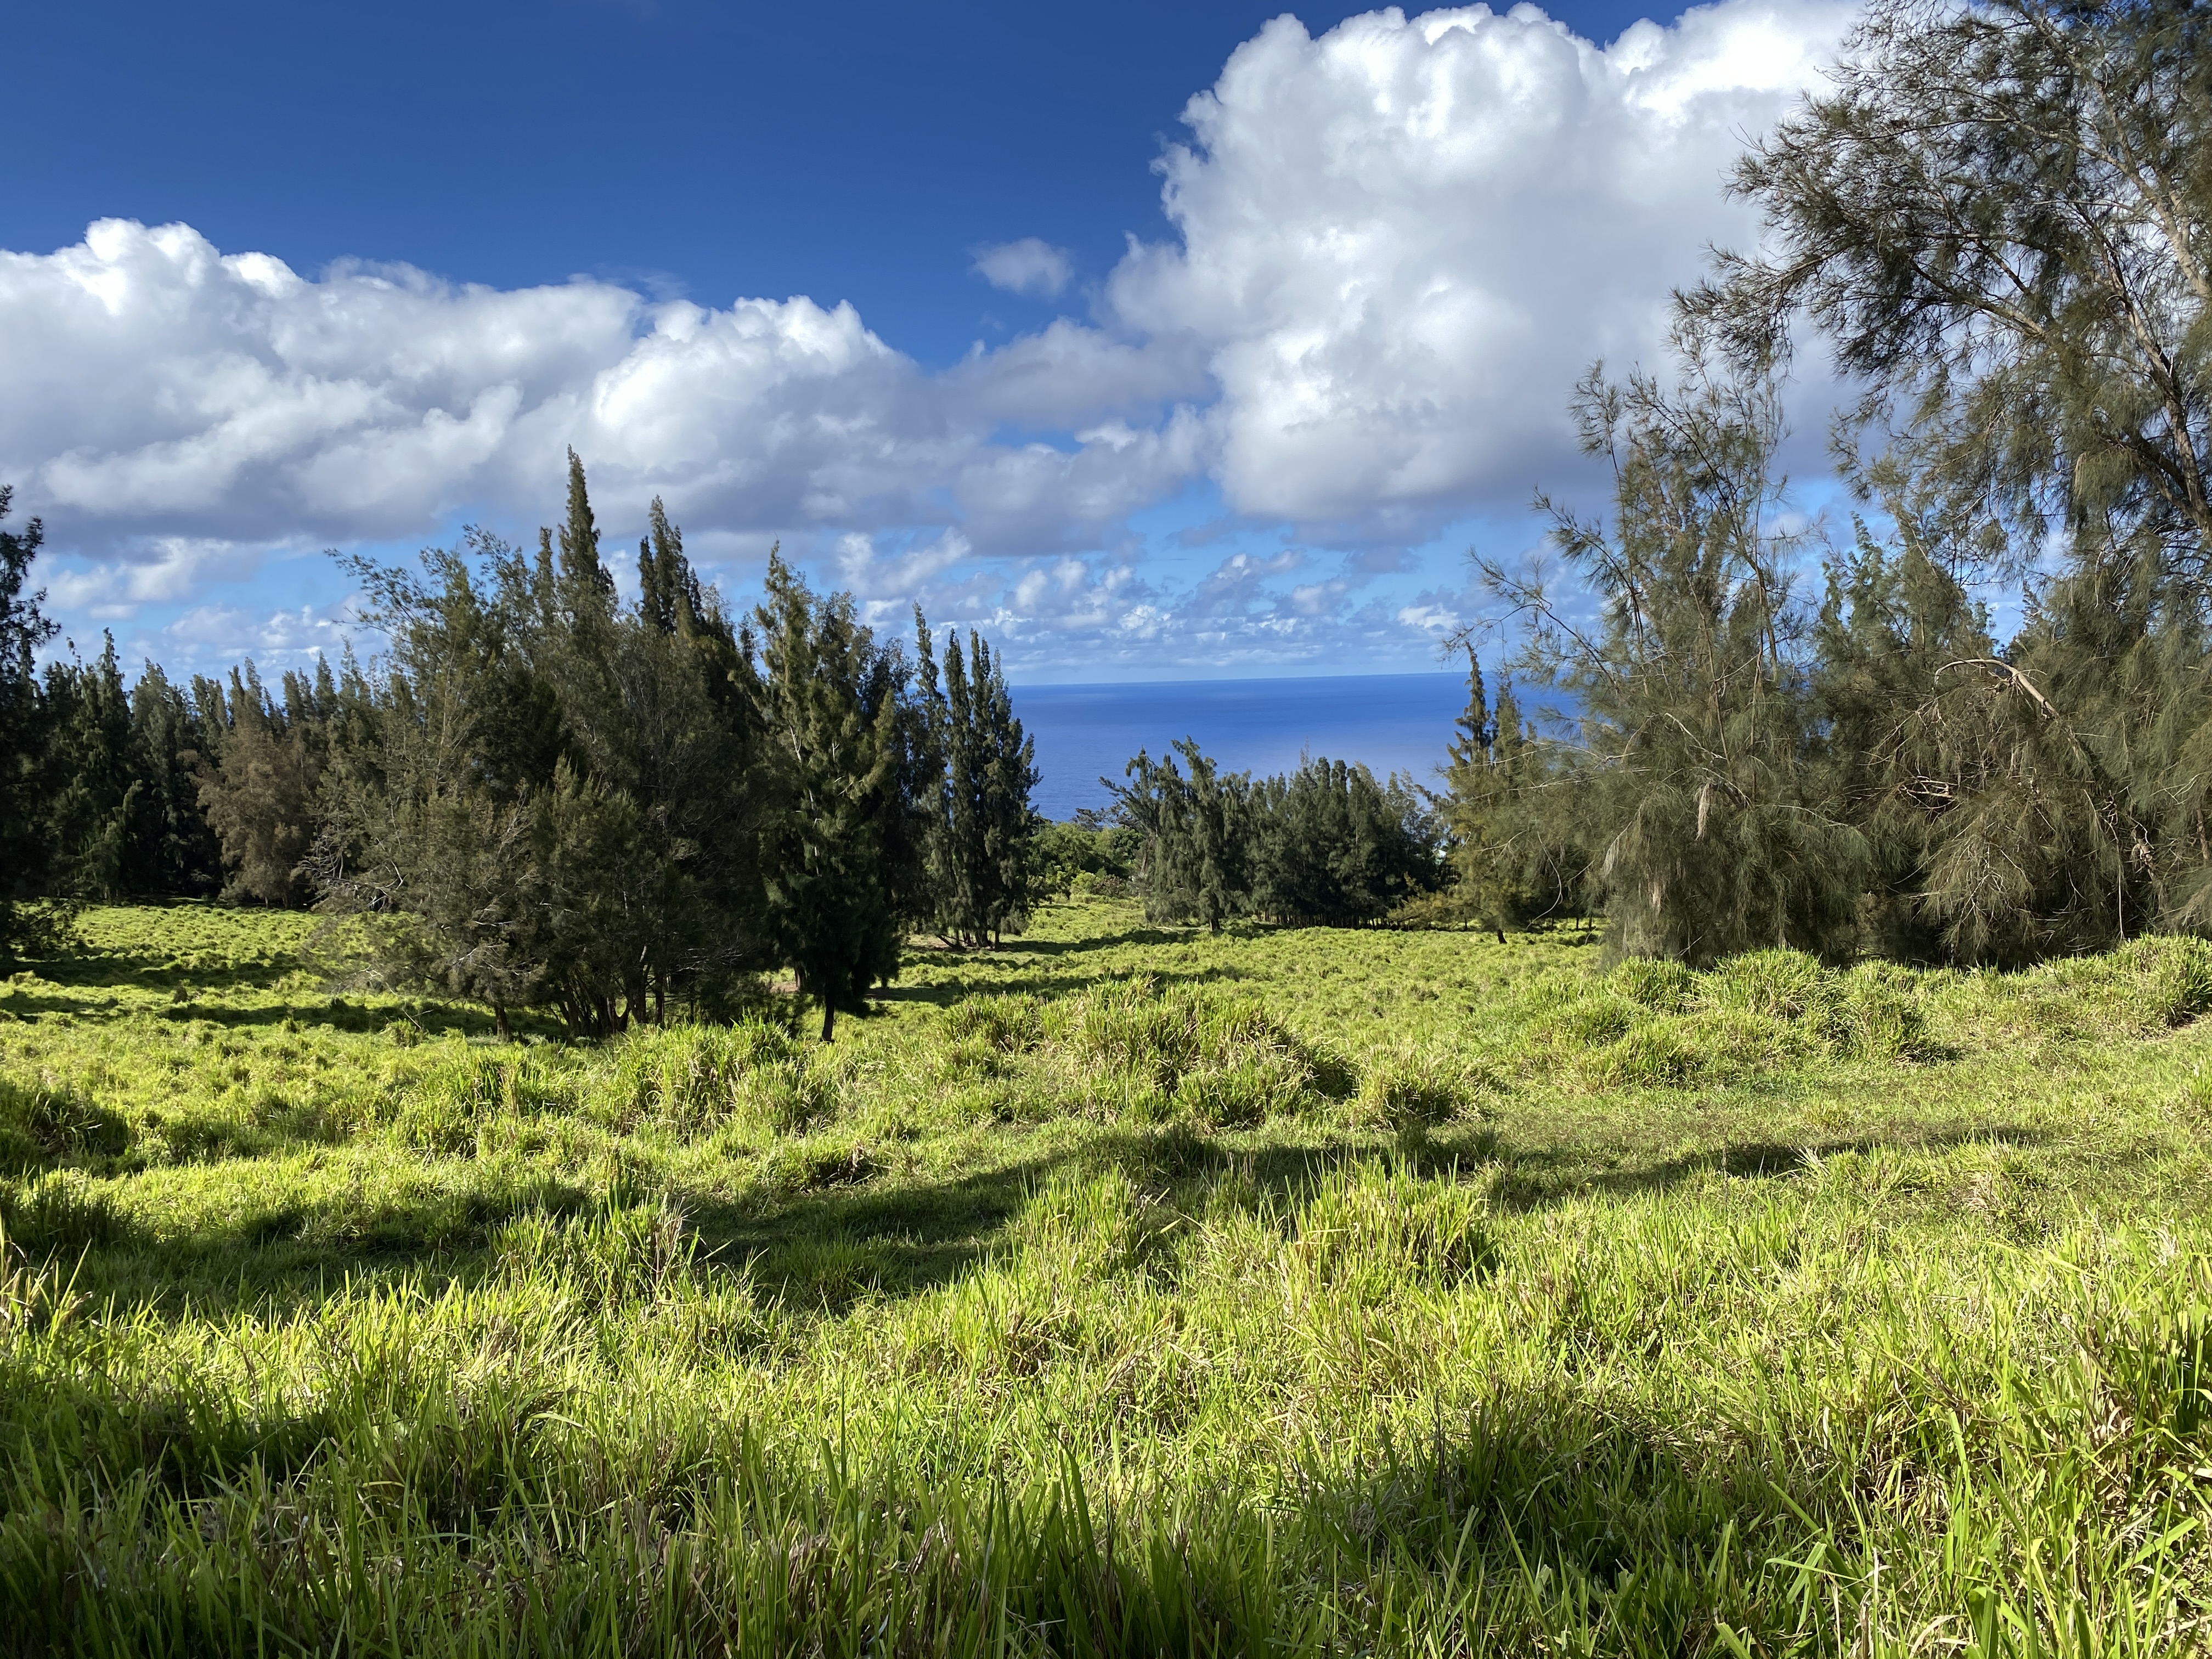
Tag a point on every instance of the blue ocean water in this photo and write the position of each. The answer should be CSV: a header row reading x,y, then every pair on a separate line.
x,y
1392,722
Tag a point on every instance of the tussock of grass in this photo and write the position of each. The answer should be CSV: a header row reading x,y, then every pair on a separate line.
x,y
1125,1291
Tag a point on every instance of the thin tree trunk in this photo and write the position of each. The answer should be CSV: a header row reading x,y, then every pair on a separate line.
x,y
828,1018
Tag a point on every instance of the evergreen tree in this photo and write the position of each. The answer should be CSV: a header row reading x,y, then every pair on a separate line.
x,y
829,713
1999,218
26,926
261,798
1201,835
430,824
1338,848
560,796
670,600
979,852
1695,778
172,849
1516,848
586,588
94,789
1900,694
655,708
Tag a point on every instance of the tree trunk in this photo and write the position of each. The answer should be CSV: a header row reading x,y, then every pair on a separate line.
x,y
828,1018
499,1017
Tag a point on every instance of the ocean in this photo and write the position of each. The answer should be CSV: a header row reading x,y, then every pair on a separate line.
x,y
1391,722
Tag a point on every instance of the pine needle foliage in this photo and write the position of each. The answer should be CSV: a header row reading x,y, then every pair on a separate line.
x,y
2000,221
1327,844
1512,860
1200,833
1692,773
983,825
831,702
24,858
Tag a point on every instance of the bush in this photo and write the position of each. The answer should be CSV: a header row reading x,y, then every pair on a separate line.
x,y
692,1077
1226,1060
1410,1094
1006,1024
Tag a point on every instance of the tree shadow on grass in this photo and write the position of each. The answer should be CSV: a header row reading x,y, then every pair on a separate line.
x,y
1535,1177
112,968
1516,1522
1044,983
841,1232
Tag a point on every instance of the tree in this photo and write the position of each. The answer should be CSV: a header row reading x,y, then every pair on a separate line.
x,y
428,823
261,798
1693,775
172,849
830,712
92,772
25,925
1338,848
1200,836
2001,217
655,708
559,794
980,835
1517,847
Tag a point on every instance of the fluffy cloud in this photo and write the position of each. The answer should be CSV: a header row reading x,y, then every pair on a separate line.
x,y
1030,267
1402,241
164,391
1396,246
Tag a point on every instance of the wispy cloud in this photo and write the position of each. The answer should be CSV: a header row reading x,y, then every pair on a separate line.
x,y
1029,267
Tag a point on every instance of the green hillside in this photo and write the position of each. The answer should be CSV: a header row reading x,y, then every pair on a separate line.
x,y
1124,1289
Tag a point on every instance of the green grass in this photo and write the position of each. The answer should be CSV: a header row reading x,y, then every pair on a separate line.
x,y
1121,1291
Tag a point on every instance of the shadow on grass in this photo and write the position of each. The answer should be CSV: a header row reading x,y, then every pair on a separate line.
x,y
108,969
845,1235
945,993
1515,1522
1534,1177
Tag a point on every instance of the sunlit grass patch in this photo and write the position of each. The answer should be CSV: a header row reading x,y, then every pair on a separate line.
x,y
1120,1290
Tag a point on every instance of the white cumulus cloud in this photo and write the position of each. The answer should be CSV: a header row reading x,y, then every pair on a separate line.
x,y
1401,242
1394,247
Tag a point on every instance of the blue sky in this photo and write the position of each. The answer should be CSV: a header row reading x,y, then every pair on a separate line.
x,y
969,305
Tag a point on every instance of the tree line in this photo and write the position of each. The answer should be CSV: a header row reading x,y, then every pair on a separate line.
x,y
1999,222
1326,845
544,796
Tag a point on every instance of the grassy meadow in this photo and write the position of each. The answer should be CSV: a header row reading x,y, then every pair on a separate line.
x,y
1121,1290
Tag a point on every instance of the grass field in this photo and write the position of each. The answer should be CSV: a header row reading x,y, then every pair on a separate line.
x,y
1122,1291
